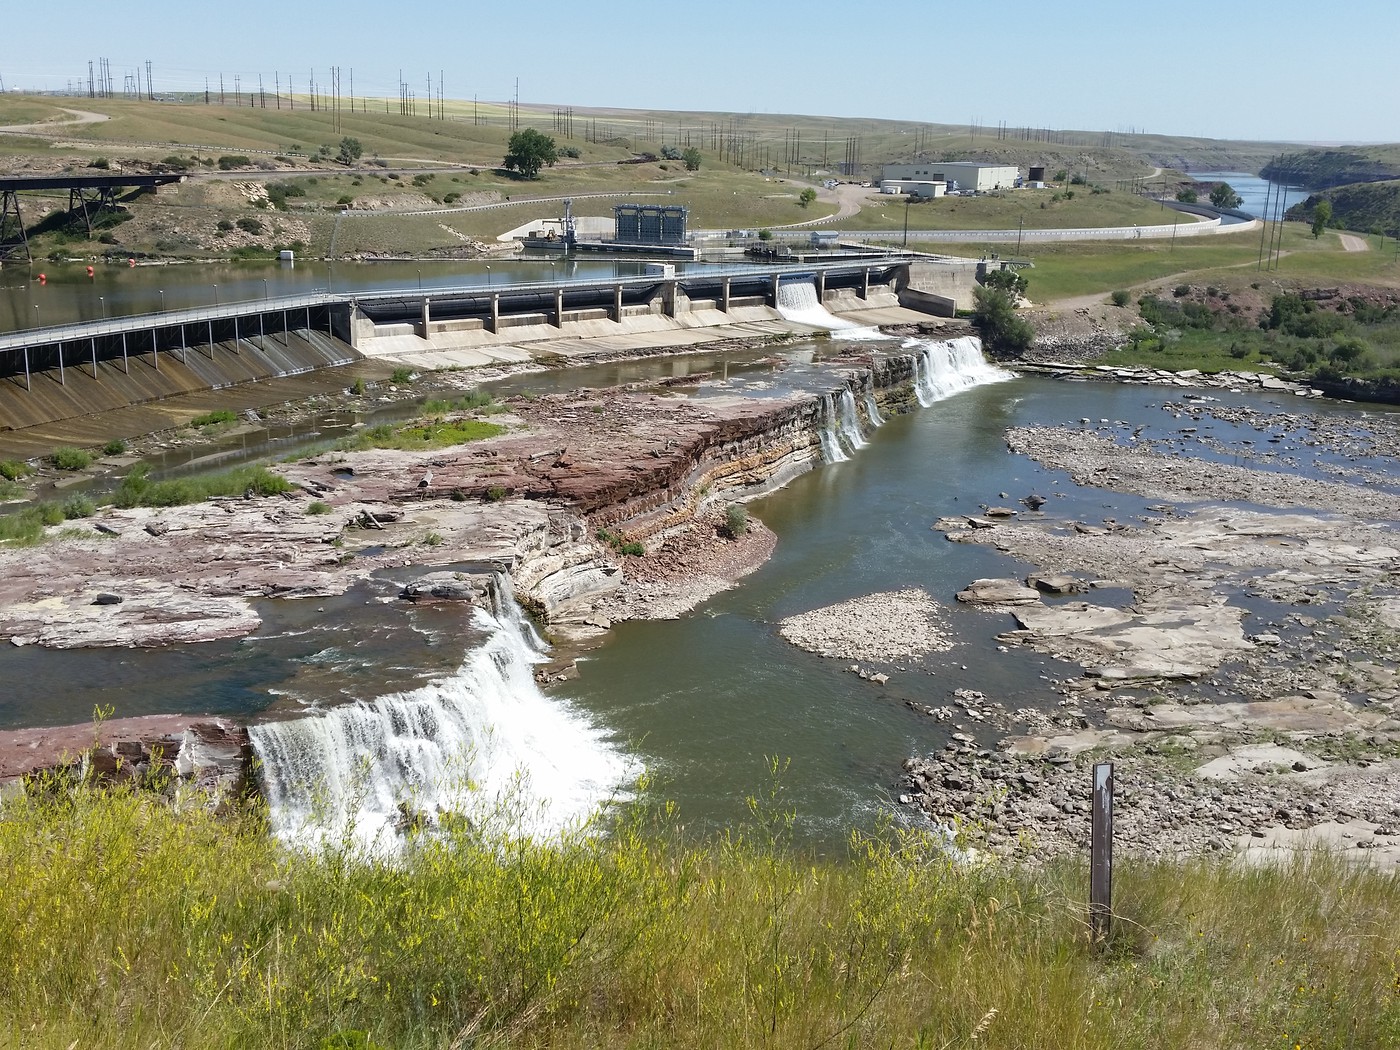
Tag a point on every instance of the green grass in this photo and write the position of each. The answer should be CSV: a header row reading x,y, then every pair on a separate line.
x,y
209,419
176,927
138,490
1038,209
431,434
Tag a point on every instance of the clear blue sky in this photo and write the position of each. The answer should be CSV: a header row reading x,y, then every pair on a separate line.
x,y
1224,68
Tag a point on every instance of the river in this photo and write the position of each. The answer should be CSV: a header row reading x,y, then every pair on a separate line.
x,y
1262,199
703,701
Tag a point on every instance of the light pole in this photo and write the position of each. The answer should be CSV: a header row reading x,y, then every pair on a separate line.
x,y
489,278
909,199
162,299
420,281
216,295
1020,229
102,302
37,322
266,295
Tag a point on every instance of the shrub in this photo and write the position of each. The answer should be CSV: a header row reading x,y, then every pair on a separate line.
x,y
996,318
636,550
736,520
451,198
495,494
223,415
765,235
115,447
68,458
225,225
100,162
234,160
346,200
358,388
1181,290
318,507
13,469
1120,297
401,375
250,225
78,506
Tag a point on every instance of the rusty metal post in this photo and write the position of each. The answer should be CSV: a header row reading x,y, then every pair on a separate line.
x,y
1101,854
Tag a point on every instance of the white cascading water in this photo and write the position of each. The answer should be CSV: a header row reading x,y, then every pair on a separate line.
x,y
872,411
798,302
944,368
826,432
484,744
849,422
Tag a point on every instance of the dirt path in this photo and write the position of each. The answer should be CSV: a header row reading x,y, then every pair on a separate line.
x,y
1352,243
79,117
847,199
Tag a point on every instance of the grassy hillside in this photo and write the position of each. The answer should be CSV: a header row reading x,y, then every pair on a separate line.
x,y
179,928
1365,207
1320,169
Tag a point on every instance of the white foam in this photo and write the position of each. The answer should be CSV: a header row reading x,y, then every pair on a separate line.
x,y
946,367
484,744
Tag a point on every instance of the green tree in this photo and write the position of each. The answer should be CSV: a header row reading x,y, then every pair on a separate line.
x,y
1003,330
528,151
351,150
807,196
1187,196
1224,196
691,156
1322,215
1008,280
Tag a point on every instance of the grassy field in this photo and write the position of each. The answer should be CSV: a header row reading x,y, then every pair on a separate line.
x,y
765,139
179,928
1037,209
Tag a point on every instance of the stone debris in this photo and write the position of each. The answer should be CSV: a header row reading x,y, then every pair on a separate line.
x,y
880,628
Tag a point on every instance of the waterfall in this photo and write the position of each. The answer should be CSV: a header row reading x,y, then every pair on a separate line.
x,y
798,302
826,431
484,744
849,422
872,411
942,369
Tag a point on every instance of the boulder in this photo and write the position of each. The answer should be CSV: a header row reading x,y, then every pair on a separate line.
x,y
998,592
444,587
1055,584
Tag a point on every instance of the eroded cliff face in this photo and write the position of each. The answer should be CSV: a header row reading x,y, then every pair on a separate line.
x,y
579,477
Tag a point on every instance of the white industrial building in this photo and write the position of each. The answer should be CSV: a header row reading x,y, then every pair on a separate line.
x,y
914,187
968,176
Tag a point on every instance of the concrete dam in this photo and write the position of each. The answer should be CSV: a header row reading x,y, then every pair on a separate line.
x,y
69,372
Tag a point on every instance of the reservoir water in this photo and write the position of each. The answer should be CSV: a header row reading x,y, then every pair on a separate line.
x,y
702,702
1262,199
115,289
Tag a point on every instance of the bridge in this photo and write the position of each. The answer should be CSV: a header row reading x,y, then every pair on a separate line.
x,y
68,371
88,196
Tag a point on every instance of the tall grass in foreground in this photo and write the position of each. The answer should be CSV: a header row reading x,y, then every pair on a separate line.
x,y
124,920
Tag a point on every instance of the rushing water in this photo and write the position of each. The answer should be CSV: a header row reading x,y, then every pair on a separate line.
x,y
482,743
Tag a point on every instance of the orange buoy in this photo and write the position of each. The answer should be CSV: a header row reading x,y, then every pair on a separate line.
x,y
131,262
43,278
90,271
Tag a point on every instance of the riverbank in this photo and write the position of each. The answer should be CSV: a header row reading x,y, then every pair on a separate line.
x,y
1283,735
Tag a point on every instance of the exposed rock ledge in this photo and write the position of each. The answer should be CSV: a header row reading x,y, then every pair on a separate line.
x,y
579,478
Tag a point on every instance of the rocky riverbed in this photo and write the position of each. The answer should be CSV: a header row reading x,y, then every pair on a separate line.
x,y
1247,690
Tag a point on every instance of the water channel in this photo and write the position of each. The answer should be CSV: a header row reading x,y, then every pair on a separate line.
x,y
1261,198
115,289
704,701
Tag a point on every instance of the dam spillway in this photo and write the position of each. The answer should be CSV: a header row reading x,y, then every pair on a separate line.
x,y
56,373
